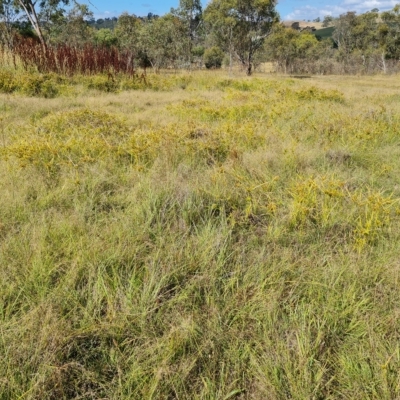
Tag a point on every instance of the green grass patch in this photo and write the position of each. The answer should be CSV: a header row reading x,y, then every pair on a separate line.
x,y
243,246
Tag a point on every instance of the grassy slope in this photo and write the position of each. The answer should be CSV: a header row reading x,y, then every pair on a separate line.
x,y
324,33
215,239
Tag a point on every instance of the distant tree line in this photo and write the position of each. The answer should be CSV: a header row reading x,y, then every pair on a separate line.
x,y
365,43
227,32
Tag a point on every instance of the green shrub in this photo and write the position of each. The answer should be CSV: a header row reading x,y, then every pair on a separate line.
x,y
102,83
106,37
7,82
198,51
213,58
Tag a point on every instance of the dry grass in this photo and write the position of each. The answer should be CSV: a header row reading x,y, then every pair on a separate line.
x,y
205,238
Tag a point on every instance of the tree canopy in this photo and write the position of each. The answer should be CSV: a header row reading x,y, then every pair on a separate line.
x,y
241,26
247,32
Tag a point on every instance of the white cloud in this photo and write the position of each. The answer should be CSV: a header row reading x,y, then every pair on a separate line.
x,y
362,6
106,14
310,12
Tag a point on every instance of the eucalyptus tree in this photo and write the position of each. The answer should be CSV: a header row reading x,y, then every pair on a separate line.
x,y
328,21
128,30
8,17
68,27
127,33
105,37
190,14
162,40
241,26
157,41
362,39
294,51
390,32
32,9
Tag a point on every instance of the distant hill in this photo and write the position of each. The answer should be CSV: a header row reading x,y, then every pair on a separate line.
x,y
324,33
302,25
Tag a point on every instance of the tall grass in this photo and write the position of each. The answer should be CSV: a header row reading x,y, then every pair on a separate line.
x,y
229,239
70,60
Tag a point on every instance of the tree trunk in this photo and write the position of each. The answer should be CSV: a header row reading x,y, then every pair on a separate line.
x,y
249,69
249,65
230,52
383,63
34,20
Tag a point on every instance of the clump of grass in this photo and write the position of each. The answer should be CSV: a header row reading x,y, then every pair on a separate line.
x,y
72,138
32,83
318,94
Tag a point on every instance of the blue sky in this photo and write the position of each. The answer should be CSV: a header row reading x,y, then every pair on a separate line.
x,y
288,9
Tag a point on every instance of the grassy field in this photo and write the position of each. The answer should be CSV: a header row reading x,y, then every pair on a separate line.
x,y
199,237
